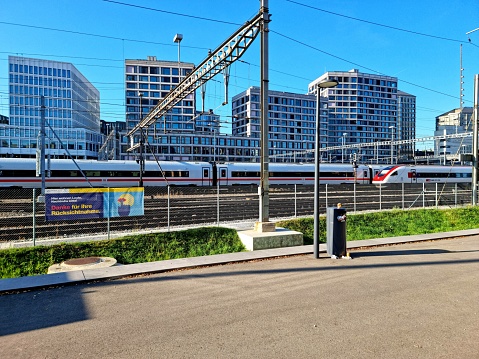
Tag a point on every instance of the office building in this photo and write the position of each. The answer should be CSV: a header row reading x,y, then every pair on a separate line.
x,y
363,111
455,122
406,126
71,110
291,122
183,134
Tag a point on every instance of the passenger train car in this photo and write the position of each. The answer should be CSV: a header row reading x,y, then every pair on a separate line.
x,y
64,173
423,174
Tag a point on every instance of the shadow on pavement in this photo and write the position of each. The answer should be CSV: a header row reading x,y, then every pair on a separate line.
x,y
43,308
376,253
40,309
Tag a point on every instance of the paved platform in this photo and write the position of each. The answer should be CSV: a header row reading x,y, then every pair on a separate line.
x,y
86,275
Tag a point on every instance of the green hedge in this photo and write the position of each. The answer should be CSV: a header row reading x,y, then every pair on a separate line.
x,y
18,262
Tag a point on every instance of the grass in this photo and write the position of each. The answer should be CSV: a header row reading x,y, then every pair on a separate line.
x,y
392,223
18,262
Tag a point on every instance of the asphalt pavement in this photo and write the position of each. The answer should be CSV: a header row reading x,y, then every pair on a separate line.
x,y
403,297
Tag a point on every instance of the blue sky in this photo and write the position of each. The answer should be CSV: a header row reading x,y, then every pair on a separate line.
x,y
417,41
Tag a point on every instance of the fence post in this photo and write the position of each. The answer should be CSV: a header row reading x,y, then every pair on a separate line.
x,y
326,195
437,199
108,214
402,185
380,197
423,195
354,196
168,206
218,203
295,201
34,219
455,194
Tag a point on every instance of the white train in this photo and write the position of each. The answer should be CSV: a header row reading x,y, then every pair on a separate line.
x,y
423,174
64,173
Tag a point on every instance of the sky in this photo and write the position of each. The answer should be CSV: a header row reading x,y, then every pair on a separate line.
x,y
416,41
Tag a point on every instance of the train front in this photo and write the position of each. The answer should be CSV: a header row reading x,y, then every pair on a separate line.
x,y
388,174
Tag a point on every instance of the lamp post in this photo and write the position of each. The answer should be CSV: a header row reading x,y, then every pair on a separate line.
x,y
392,139
178,38
324,84
343,141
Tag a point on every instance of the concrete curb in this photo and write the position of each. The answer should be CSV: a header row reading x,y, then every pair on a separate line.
x,y
78,276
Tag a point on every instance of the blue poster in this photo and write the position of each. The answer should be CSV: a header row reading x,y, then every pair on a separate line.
x,y
82,203
124,202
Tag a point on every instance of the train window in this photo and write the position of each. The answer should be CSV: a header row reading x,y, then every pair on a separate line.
x,y
65,173
244,174
384,171
223,172
337,174
92,173
17,173
291,174
206,172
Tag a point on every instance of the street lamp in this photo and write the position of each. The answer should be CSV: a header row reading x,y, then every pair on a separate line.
x,y
324,84
343,141
178,38
392,139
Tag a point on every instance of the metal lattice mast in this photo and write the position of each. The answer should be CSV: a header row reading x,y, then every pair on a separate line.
x,y
227,53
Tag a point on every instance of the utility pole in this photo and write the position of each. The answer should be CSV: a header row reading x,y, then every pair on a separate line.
x,y
264,225
474,133
475,140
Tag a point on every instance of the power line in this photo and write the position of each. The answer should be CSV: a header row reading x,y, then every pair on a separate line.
x,y
173,13
71,57
377,24
96,35
359,65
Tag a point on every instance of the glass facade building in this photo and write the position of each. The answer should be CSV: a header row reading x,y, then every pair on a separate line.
x,y
291,121
363,109
406,125
71,110
454,122
183,134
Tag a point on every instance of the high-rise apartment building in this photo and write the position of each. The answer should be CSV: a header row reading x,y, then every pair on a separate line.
x,y
291,122
406,126
363,110
71,110
147,82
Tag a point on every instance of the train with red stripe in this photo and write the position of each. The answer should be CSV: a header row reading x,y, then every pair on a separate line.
x,y
66,173
423,174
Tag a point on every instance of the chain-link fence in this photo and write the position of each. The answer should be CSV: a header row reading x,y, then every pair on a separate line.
x,y
23,217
